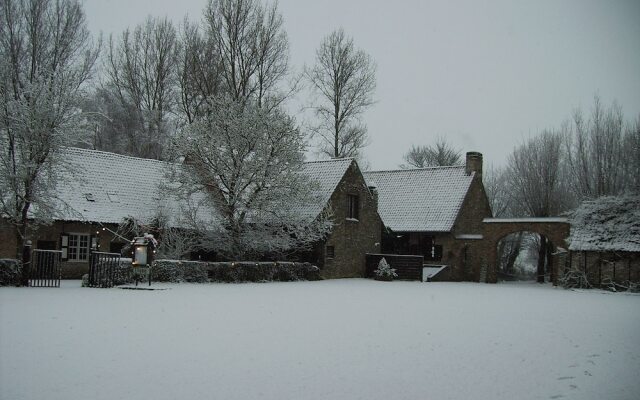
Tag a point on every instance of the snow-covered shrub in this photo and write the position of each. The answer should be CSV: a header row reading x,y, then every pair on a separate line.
x,y
179,271
122,274
194,271
167,271
219,272
626,286
232,272
311,272
384,272
573,279
10,272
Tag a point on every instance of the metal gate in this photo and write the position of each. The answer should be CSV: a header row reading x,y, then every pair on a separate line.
x,y
102,269
45,268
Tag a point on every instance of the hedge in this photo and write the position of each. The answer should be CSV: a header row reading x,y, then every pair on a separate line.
x,y
10,272
201,272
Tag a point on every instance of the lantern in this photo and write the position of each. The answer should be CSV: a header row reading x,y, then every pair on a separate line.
x,y
140,252
143,250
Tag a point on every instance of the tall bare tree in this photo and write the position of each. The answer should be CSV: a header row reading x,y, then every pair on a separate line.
x,y
199,72
496,187
141,69
538,182
440,154
252,48
344,78
596,153
632,156
46,57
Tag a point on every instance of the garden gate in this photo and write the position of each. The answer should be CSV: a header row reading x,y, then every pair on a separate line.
x,y
102,269
45,268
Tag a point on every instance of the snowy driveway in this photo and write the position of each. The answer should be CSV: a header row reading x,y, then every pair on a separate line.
x,y
337,339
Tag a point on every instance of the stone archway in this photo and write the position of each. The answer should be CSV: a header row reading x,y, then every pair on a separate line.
x,y
494,229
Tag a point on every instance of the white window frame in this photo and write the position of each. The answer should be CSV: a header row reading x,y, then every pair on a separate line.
x,y
77,247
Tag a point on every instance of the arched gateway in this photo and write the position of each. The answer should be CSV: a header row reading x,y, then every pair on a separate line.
x,y
556,230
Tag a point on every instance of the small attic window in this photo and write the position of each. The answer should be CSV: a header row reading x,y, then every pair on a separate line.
x,y
113,197
89,197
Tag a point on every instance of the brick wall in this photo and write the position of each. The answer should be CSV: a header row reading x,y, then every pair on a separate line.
x,y
7,240
51,233
350,239
555,232
466,257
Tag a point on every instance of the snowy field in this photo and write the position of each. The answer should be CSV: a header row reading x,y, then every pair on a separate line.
x,y
338,339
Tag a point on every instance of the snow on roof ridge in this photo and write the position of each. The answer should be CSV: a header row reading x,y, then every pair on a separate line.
x,y
112,154
415,169
330,160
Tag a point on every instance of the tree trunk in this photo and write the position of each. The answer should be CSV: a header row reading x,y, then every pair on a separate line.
x,y
23,253
542,256
514,253
550,266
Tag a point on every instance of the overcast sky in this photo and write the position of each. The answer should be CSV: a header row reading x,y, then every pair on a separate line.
x,y
485,75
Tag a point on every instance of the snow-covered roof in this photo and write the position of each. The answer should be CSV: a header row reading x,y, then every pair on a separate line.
x,y
325,177
606,224
420,200
469,236
532,220
107,187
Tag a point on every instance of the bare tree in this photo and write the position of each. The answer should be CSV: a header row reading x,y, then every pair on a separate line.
x,y
344,79
496,187
632,157
46,56
141,68
247,159
252,48
509,249
441,154
538,182
596,155
199,71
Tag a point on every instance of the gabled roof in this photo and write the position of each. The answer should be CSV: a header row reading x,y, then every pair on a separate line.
x,y
606,224
420,200
107,187
325,176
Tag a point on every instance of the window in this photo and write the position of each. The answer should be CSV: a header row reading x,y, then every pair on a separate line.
x,y
78,249
113,197
331,252
353,205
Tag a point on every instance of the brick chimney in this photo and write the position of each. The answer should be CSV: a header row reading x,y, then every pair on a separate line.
x,y
474,163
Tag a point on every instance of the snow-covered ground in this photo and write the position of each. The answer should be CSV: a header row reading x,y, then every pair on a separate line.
x,y
337,339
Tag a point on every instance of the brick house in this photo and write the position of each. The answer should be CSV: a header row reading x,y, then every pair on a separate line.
x,y
605,240
104,188
437,213
357,226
